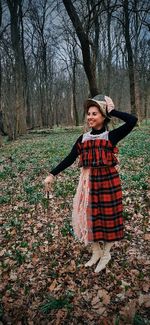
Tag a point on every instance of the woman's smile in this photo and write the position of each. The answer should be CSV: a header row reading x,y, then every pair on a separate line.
x,y
91,123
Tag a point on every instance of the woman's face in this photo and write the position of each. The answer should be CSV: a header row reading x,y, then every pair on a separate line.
x,y
95,118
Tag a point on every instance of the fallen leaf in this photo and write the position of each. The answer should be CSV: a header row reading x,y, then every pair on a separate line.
x,y
120,296
125,284
35,259
61,314
52,286
13,276
13,232
101,310
144,300
95,301
39,225
129,311
103,294
147,236
146,287
2,252
72,267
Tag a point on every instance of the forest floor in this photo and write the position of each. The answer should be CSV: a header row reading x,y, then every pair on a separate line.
x,y
44,280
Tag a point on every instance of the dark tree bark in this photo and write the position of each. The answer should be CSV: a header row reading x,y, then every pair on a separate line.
x,y
25,75
0,13
130,56
109,53
0,57
88,63
15,8
1,116
76,115
109,8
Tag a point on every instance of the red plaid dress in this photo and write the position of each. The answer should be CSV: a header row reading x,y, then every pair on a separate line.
x,y
97,205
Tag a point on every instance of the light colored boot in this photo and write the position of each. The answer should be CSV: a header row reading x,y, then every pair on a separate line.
x,y
96,254
105,258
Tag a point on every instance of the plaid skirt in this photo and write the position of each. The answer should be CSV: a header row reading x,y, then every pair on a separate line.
x,y
97,206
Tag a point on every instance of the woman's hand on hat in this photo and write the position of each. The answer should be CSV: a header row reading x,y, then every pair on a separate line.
x,y
109,104
48,183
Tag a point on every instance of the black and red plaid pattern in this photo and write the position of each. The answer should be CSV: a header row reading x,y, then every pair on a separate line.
x,y
104,213
105,204
95,153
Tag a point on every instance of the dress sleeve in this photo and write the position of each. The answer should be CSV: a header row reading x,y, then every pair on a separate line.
x,y
119,133
69,160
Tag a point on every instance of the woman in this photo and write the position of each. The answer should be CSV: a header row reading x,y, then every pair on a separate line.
x,y
97,206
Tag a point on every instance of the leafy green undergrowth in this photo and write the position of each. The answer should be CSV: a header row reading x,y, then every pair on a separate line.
x,y
25,160
135,159
57,303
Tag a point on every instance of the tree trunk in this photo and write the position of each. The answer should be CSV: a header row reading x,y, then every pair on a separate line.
x,y
74,95
89,66
25,77
20,102
138,96
109,59
130,57
0,78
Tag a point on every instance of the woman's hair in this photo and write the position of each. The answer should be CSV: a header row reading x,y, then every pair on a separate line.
x,y
106,122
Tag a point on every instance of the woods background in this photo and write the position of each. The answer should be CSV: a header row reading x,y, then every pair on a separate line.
x,y
54,54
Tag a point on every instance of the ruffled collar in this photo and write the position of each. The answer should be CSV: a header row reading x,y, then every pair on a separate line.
x,y
94,131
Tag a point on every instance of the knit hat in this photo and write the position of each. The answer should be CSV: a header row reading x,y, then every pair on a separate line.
x,y
99,101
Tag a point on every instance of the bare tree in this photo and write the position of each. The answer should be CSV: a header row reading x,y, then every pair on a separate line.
x,y
15,8
1,119
134,15
87,46
71,60
0,13
130,55
41,50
